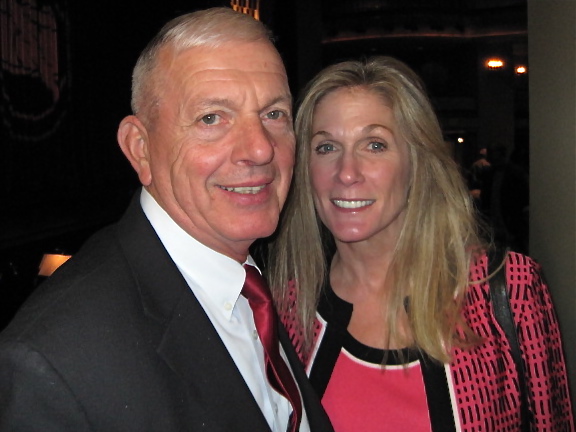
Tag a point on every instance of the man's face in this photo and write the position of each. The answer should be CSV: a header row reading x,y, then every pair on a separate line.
x,y
221,147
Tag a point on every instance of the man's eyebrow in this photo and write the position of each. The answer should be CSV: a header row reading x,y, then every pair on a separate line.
x,y
229,103
286,98
283,102
212,102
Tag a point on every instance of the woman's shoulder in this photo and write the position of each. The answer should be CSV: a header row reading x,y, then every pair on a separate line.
x,y
520,266
525,283
523,275
516,264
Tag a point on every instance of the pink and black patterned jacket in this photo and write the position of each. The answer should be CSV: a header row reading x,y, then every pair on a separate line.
x,y
481,388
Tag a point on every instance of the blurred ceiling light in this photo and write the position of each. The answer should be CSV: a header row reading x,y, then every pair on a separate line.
x,y
460,140
520,70
495,63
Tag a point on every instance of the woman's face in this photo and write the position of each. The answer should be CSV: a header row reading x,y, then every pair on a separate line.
x,y
359,166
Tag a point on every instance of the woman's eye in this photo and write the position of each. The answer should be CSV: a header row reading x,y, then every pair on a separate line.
x,y
210,119
324,148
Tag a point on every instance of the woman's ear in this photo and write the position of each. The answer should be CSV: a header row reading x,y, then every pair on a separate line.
x,y
133,140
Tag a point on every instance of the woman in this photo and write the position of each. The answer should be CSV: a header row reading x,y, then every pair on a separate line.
x,y
381,273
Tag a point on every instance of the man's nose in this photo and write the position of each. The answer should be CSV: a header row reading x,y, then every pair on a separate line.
x,y
255,145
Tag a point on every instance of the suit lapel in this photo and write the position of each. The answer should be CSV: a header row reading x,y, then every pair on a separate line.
x,y
192,348
188,342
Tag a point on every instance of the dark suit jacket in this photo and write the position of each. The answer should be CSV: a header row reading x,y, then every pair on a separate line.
x,y
116,341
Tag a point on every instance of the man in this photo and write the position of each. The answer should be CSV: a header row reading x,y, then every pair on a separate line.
x,y
145,328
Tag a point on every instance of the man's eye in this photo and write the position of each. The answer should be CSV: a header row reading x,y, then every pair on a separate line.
x,y
211,119
376,146
275,115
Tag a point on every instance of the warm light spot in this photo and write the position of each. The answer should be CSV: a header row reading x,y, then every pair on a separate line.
x,y
521,70
460,140
495,63
50,262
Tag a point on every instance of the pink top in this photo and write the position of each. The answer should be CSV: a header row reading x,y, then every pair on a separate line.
x,y
402,407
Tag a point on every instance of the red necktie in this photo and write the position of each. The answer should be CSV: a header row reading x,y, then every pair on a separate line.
x,y
258,294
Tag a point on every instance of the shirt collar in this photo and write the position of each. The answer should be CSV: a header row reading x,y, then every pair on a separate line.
x,y
219,277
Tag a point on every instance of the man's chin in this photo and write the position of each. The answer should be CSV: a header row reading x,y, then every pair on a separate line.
x,y
254,232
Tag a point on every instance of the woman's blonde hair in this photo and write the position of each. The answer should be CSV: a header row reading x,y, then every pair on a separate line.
x,y
440,233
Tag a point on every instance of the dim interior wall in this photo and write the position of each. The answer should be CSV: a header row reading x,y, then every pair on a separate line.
x,y
552,72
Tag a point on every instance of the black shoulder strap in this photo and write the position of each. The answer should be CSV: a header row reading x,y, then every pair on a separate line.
x,y
501,305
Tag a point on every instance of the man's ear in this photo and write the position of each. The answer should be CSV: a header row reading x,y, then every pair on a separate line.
x,y
133,139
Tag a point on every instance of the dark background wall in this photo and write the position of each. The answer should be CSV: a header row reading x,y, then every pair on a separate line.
x,y
65,86
65,81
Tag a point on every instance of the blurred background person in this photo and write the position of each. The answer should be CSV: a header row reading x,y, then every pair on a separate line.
x,y
478,177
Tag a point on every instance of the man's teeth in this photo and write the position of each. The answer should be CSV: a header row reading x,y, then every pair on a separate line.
x,y
352,204
244,189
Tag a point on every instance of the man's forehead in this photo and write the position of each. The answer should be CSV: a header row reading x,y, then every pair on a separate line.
x,y
241,57
231,75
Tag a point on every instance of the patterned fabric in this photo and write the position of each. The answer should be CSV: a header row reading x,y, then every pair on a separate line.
x,y
482,381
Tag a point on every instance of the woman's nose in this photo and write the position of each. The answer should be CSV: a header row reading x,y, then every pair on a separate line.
x,y
349,169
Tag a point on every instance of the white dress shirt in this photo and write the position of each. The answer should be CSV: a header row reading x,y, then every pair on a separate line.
x,y
217,280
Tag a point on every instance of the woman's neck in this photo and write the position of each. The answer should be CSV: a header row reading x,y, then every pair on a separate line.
x,y
359,275
359,271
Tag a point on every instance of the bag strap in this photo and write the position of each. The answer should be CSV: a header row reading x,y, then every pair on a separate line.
x,y
502,312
